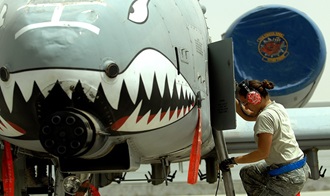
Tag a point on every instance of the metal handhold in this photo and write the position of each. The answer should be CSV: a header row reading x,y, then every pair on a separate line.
x,y
322,174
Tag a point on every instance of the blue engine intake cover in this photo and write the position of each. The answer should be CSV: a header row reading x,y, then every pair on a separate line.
x,y
280,44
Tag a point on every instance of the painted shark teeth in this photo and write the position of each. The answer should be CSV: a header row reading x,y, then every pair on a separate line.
x,y
8,130
46,79
150,71
150,65
147,65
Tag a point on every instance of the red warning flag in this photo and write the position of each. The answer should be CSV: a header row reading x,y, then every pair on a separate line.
x,y
195,154
8,175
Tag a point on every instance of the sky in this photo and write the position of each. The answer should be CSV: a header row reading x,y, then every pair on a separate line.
x,y
221,14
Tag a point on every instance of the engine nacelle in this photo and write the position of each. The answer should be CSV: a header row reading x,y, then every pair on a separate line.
x,y
280,44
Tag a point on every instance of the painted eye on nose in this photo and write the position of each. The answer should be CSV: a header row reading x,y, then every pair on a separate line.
x,y
138,11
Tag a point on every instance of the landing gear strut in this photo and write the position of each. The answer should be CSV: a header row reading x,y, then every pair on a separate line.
x,y
222,154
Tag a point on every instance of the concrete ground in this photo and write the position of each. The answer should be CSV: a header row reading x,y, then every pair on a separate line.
x,y
179,185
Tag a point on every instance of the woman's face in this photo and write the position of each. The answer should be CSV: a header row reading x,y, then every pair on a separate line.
x,y
253,108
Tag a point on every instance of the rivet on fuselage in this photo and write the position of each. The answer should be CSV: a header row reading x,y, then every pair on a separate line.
x,y
4,74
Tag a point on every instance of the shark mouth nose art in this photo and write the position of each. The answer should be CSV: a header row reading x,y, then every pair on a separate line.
x,y
148,95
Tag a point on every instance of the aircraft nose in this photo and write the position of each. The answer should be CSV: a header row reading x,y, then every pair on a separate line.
x,y
51,36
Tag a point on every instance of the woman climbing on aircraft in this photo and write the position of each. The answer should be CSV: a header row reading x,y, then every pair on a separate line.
x,y
284,171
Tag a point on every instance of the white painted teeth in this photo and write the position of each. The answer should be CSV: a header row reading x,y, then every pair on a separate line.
x,y
7,129
148,65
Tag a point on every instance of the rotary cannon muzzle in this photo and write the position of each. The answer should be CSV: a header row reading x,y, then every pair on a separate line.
x,y
67,134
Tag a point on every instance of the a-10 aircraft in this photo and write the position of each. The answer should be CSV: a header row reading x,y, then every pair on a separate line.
x,y
96,88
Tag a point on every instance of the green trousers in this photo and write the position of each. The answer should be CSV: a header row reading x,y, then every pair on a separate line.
x,y
257,181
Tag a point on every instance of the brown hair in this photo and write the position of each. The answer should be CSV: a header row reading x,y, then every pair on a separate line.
x,y
254,85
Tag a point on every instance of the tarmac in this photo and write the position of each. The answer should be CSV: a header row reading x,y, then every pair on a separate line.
x,y
180,187
312,188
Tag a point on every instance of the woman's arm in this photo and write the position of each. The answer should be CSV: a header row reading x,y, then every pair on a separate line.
x,y
264,144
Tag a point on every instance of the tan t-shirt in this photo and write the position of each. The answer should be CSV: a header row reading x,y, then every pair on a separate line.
x,y
274,120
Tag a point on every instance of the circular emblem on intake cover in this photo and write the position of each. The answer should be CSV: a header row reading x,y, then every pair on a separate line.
x,y
273,47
